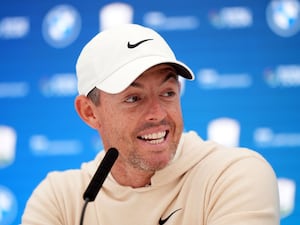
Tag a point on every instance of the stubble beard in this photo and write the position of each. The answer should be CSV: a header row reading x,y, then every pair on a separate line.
x,y
150,165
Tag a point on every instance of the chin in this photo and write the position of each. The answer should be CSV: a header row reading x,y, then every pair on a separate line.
x,y
162,163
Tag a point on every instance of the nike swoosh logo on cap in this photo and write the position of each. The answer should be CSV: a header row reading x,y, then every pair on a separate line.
x,y
163,221
129,45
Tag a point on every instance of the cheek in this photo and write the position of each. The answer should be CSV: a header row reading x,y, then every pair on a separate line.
x,y
113,124
178,118
105,119
176,112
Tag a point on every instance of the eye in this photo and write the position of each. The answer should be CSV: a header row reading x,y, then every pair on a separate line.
x,y
132,99
169,94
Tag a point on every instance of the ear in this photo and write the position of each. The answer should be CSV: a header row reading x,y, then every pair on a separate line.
x,y
86,110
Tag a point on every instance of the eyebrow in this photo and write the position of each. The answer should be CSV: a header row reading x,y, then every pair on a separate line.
x,y
171,75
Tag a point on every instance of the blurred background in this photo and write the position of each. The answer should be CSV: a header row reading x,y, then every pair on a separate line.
x,y
245,55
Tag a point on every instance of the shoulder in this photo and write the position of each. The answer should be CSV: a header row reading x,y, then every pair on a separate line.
x,y
219,155
60,185
236,181
219,163
58,194
76,178
73,177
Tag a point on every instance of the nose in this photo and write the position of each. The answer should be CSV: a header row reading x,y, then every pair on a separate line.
x,y
155,111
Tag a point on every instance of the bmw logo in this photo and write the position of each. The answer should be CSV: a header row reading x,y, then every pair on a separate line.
x,y
8,206
61,26
283,17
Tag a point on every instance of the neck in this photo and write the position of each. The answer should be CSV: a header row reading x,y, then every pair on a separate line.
x,y
131,177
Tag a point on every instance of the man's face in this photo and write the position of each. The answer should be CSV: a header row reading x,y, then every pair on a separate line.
x,y
144,122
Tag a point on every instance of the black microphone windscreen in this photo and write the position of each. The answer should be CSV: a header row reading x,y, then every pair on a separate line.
x,y
100,175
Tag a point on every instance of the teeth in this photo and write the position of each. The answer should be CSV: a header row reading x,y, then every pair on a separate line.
x,y
157,141
155,136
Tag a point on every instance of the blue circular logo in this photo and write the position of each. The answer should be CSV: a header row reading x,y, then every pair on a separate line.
x,y
8,206
283,17
61,26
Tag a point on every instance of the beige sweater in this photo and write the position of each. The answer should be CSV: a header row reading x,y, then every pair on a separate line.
x,y
206,184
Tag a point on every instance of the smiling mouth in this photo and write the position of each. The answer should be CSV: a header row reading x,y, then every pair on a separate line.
x,y
154,138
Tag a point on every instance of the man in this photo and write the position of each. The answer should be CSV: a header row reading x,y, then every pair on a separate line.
x,y
129,92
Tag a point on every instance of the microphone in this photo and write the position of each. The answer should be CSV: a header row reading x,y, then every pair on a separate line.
x,y
99,178
100,175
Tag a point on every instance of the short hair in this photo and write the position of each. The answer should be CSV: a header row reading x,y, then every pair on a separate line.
x,y
94,96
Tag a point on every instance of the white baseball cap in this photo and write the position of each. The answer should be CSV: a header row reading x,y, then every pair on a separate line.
x,y
114,58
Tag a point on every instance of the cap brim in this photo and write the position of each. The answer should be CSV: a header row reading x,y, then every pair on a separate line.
x,y
124,76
